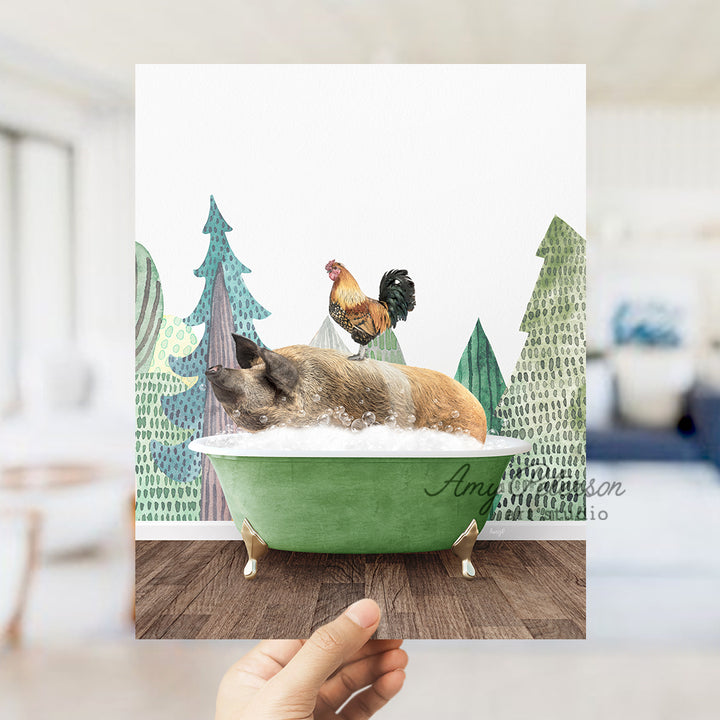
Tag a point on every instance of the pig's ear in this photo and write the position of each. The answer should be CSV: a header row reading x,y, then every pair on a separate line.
x,y
280,371
246,351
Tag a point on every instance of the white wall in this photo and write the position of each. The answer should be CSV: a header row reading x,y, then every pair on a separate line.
x,y
453,172
70,257
44,270
654,211
8,361
106,257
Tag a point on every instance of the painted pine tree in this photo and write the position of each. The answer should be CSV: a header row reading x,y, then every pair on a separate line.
x,y
545,402
157,496
225,306
328,337
386,347
175,339
479,372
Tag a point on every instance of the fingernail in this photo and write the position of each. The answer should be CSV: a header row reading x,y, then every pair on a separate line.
x,y
364,613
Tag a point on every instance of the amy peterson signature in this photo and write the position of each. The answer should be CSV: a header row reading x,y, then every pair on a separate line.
x,y
465,487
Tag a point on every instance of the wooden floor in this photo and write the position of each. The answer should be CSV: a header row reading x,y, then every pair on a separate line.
x,y
196,589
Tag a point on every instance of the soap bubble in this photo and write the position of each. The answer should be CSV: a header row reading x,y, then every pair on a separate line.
x,y
411,419
361,401
368,418
448,428
360,441
301,412
324,419
263,419
283,398
391,420
339,410
316,398
346,419
455,414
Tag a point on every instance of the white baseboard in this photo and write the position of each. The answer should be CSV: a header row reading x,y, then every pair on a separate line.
x,y
533,530
494,530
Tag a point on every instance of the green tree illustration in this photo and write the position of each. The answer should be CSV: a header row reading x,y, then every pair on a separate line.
x,y
157,496
386,347
545,401
479,372
148,308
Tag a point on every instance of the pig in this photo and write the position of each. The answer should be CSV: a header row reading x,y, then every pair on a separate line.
x,y
301,385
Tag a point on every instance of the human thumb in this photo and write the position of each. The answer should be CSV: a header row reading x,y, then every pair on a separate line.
x,y
327,649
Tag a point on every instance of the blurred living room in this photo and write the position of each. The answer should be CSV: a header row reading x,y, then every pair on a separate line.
x,y
67,408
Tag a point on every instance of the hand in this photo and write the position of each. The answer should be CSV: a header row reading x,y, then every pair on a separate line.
x,y
313,679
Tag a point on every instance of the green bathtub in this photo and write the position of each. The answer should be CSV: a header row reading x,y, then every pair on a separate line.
x,y
332,503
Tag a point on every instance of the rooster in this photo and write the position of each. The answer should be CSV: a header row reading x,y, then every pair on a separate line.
x,y
363,317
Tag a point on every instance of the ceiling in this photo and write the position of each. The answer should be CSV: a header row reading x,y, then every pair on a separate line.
x,y
636,51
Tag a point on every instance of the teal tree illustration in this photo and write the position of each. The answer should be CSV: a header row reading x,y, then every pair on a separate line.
x,y
545,402
479,372
386,347
225,306
158,497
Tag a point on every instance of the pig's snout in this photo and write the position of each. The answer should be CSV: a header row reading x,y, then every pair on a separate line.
x,y
220,380
223,382
212,372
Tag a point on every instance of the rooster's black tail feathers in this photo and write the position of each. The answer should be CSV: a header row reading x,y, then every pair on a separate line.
x,y
397,291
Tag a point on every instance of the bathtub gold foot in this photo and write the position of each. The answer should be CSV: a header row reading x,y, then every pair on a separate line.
x,y
256,549
463,548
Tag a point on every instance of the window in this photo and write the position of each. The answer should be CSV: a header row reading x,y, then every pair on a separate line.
x,y
37,264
